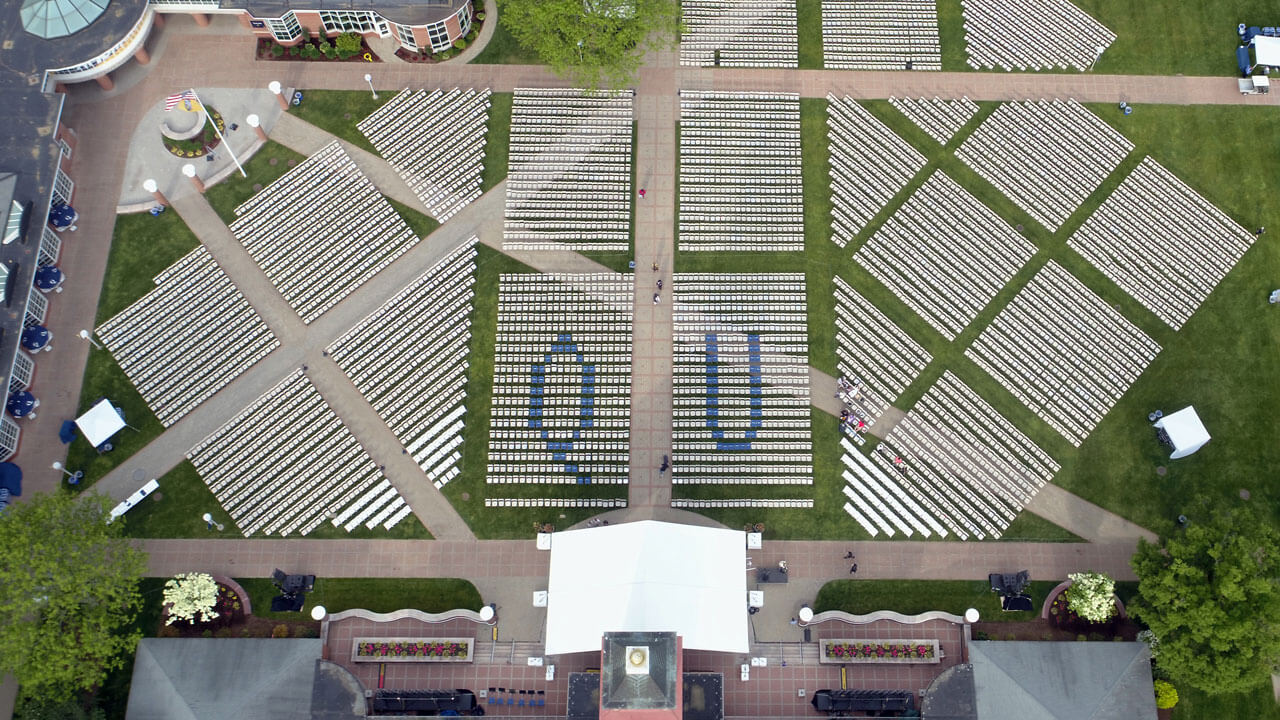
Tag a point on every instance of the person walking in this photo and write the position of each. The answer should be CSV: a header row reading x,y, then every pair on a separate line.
x,y
853,569
849,555
642,193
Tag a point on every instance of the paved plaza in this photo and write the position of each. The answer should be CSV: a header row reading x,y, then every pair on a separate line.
x,y
116,153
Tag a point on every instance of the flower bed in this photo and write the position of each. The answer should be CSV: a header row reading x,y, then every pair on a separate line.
x,y
199,146
412,649
880,651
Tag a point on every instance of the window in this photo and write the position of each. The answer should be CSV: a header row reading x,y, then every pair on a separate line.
x,y
50,246
464,19
37,307
405,33
20,378
62,188
13,225
439,36
286,28
359,21
201,3
9,432
65,147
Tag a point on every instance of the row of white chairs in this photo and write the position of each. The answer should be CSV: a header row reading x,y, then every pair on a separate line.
x,y
323,232
1046,156
435,141
411,364
970,462
1032,34
940,119
556,502
882,499
187,338
1161,242
870,164
287,463
874,353
570,170
945,254
1063,351
693,504
879,35
739,33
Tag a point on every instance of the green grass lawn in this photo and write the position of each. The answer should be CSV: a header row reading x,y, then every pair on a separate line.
x,y
338,111
421,224
381,595
498,145
268,164
910,597
468,491
1257,704
503,48
809,33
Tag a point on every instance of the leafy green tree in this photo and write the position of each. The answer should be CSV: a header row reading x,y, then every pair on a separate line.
x,y
348,44
596,43
68,592
1211,594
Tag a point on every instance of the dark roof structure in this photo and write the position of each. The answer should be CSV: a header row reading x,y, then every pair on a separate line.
x,y
26,54
404,12
1047,681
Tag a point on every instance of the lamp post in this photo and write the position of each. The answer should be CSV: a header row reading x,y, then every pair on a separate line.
x,y
152,187
208,520
89,336
190,171
255,122
73,478
277,90
369,79
1097,55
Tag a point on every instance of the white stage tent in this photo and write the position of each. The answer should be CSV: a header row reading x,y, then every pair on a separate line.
x,y
1266,50
100,423
1185,431
647,576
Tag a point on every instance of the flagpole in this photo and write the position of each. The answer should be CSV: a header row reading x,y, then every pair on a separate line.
x,y
234,159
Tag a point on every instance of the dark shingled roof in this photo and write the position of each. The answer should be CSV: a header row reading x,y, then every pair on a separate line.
x,y
24,57
403,12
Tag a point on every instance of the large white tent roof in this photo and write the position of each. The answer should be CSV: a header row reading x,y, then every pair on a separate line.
x,y
1266,50
1185,431
647,576
100,423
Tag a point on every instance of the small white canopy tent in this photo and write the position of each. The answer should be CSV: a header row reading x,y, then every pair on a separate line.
x,y
1186,432
1266,50
100,423
647,576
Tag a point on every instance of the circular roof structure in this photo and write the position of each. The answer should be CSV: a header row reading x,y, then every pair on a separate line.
x,y
58,18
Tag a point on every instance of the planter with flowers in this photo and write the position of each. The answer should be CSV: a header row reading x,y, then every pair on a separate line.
x,y
412,649
880,651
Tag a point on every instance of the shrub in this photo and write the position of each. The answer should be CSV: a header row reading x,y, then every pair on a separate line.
x,y
310,52
348,44
480,16
1153,642
277,50
1091,596
225,632
1081,638
328,50
471,36
207,633
980,635
305,631
280,631
190,597
460,44
1166,695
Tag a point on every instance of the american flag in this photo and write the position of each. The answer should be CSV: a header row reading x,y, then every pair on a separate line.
x,y
173,100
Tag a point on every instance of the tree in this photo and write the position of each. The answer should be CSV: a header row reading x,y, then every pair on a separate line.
x,y
1210,594
68,593
1091,596
599,44
190,597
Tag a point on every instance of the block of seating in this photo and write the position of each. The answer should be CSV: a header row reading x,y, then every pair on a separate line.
x,y
739,33
1063,351
569,170
945,254
1032,35
287,463
941,119
188,337
436,141
880,35
974,467
1161,242
695,504
869,165
740,380
412,365
873,353
320,231
562,381
1047,156
740,184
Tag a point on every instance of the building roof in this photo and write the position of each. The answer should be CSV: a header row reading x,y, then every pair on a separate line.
x,y
25,55
403,12
1062,680
215,679
647,576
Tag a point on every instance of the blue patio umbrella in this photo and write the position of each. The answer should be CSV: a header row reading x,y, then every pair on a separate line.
x,y
36,337
49,277
61,215
11,478
21,403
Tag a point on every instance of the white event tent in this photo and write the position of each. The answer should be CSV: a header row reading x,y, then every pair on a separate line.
x,y
100,423
1186,432
1266,50
647,576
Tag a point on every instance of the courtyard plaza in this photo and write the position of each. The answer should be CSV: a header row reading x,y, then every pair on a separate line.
x,y
506,572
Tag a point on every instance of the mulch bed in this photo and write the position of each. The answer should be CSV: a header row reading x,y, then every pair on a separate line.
x,y
232,622
263,52
1041,629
